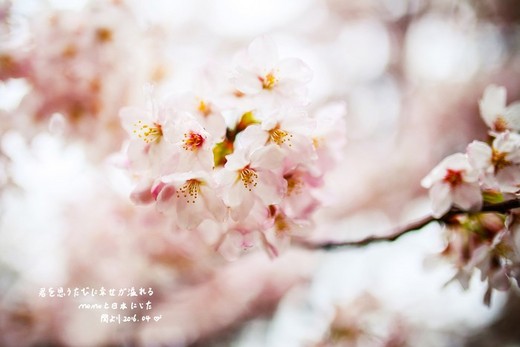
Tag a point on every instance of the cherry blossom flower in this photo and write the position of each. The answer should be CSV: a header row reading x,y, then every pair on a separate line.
x,y
252,174
148,130
193,198
498,164
259,71
203,108
329,135
286,128
300,200
282,228
453,182
495,113
189,144
241,237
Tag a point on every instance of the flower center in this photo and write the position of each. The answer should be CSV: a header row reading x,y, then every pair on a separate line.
x,y
148,132
204,108
499,160
193,141
500,124
104,35
281,225
279,136
248,177
269,81
453,177
294,184
190,190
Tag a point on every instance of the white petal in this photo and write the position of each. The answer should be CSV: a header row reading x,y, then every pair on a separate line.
x,y
512,116
251,138
241,211
235,194
467,197
479,155
142,193
246,81
131,115
492,104
214,204
293,69
269,157
225,178
271,188
440,196
190,214
165,202
263,53
508,179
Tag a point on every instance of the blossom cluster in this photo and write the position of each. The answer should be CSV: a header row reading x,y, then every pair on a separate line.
x,y
70,62
243,156
489,172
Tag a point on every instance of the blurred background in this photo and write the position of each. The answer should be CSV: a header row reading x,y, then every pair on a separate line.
x,y
410,72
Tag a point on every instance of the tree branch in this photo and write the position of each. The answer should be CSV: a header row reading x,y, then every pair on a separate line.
x,y
501,207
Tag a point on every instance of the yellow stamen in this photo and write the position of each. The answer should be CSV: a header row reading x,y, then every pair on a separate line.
x,y
269,81
281,225
104,35
248,177
204,108
148,133
500,124
193,141
294,184
499,160
190,190
279,136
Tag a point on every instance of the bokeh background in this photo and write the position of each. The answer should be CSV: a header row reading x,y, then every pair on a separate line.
x,y
410,73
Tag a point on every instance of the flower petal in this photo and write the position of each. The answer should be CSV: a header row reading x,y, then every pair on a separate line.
x,y
479,155
492,104
440,195
467,196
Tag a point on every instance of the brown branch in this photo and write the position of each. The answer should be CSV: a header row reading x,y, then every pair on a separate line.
x,y
501,207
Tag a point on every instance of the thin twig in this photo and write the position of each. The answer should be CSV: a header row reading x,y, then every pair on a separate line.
x,y
501,207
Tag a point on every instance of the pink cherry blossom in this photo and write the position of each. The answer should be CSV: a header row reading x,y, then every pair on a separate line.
x,y
499,164
193,144
286,128
495,113
148,129
203,108
260,71
453,182
252,174
192,197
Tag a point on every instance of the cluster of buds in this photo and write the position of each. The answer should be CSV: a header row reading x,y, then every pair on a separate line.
x,y
243,156
488,173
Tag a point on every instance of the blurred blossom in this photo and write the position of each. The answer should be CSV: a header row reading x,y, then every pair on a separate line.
x,y
247,18
437,50
363,50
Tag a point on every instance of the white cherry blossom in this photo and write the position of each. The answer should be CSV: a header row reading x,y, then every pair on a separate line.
x,y
453,182
260,71
498,164
495,113
252,174
286,128
192,197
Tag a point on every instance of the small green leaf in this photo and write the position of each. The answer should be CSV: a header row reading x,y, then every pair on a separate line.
x,y
220,151
492,197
